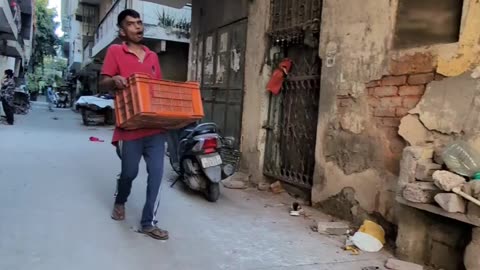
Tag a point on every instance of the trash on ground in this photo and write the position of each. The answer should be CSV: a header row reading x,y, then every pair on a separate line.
x,y
95,139
395,264
370,237
332,228
370,268
296,210
277,187
353,249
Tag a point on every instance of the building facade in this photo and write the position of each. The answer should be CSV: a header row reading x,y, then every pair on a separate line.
x,y
91,28
16,35
363,86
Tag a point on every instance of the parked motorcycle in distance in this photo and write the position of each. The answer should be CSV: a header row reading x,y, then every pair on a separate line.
x,y
194,155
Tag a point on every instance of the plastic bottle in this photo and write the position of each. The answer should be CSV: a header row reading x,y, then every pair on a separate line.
x,y
462,159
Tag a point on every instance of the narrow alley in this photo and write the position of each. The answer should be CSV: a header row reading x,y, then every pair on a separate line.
x,y
57,192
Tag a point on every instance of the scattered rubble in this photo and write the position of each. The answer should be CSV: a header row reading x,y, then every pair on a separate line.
x,y
420,192
395,264
237,181
332,228
446,180
472,188
425,170
277,187
234,184
263,186
451,202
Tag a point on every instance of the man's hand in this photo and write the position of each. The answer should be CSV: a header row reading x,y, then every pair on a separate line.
x,y
120,82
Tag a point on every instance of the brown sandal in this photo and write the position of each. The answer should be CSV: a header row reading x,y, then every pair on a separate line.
x,y
118,212
155,233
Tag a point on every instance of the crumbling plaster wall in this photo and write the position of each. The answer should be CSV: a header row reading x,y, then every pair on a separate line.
x,y
255,103
355,149
353,48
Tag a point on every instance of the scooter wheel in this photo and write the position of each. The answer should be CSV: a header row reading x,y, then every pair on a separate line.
x,y
213,192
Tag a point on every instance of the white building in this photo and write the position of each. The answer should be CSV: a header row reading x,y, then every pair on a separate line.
x,y
16,34
91,27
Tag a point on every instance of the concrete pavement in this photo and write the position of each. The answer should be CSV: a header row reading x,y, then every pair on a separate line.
x,y
56,194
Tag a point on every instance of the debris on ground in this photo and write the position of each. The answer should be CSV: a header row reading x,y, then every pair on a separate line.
x,y
277,187
234,184
95,139
332,228
370,268
370,237
350,246
395,264
263,186
55,118
237,181
353,249
296,209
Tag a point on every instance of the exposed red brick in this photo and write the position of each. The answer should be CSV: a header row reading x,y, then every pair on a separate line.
x,y
401,112
373,101
373,84
411,90
385,91
384,112
417,79
390,122
391,102
409,102
371,91
390,132
344,102
414,63
397,144
439,77
394,80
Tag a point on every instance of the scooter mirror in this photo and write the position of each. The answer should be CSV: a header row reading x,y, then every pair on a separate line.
x,y
229,142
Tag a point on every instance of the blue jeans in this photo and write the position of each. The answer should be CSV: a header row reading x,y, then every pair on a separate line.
x,y
152,149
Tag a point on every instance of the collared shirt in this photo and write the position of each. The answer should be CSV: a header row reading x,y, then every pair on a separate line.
x,y
7,92
119,60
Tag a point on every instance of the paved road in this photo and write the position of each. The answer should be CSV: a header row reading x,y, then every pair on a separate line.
x,y
56,193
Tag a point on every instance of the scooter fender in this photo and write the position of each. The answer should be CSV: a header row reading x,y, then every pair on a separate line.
x,y
214,174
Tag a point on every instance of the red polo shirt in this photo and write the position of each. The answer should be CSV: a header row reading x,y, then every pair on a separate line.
x,y
120,61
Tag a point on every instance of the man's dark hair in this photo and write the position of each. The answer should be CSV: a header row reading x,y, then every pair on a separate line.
x,y
127,12
9,73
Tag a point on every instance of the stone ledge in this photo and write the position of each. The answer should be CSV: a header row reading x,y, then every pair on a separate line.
x,y
438,211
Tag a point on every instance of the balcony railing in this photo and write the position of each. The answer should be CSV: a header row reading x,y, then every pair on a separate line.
x,y
109,21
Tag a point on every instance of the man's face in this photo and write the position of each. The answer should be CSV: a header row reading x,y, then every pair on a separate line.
x,y
132,29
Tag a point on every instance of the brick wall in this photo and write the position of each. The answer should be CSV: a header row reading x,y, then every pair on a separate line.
x,y
390,99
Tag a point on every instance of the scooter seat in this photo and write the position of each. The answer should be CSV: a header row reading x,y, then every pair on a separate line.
x,y
198,130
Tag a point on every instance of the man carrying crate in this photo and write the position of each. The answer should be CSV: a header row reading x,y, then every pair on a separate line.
x,y
121,61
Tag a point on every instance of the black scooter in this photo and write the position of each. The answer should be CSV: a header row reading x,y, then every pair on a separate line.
x,y
194,155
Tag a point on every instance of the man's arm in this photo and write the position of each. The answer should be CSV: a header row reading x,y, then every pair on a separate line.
x,y
110,79
107,83
113,83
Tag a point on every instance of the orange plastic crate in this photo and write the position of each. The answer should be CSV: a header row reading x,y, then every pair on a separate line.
x,y
151,103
